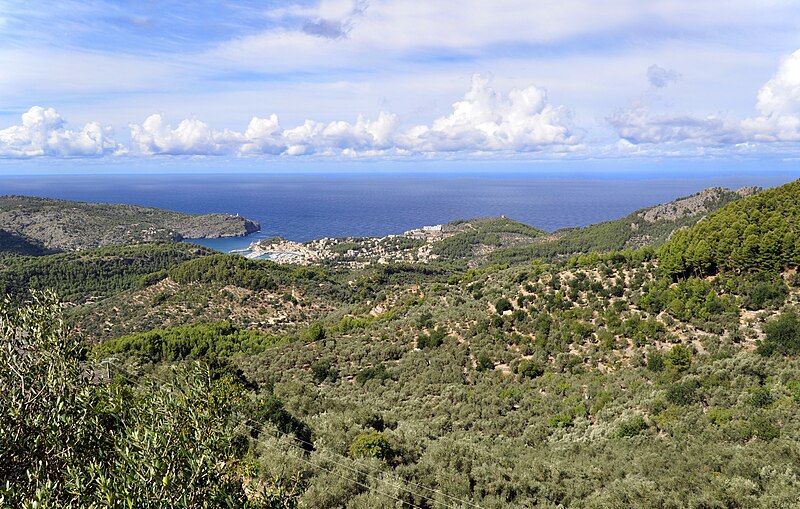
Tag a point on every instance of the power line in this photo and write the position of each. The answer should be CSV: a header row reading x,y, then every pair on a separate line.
x,y
293,438
347,478
455,499
352,469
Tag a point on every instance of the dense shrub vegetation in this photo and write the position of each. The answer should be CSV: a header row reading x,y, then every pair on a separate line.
x,y
195,342
629,232
239,271
96,272
489,232
67,442
608,379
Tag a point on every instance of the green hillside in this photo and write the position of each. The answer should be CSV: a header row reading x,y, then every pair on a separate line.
x,y
93,273
613,378
761,233
475,238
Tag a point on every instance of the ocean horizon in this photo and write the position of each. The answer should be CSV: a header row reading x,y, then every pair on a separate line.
x,y
309,206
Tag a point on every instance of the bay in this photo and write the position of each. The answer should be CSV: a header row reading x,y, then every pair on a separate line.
x,y
304,207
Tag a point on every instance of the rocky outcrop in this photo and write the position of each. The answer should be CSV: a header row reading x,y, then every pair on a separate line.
x,y
699,203
213,226
70,226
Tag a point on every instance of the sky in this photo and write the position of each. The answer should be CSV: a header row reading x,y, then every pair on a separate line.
x,y
385,82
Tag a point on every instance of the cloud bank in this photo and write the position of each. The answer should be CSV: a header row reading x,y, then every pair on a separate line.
x,y
484,120
778,105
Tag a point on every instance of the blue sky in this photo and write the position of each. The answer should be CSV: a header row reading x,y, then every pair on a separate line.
x,y
206,84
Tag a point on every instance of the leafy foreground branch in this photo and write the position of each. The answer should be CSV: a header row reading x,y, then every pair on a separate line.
x,y
68,442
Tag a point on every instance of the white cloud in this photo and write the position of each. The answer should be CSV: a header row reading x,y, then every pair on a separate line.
x,y
191,137
485,120
338,136
264,136
43,133
778,104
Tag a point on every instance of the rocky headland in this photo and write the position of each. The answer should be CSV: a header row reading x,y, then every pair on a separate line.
x,y
59,225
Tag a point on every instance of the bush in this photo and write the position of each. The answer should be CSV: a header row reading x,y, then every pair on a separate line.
x,y
764,429
530,369
679,358
315,333
782,335
683,393
67,442
764,294
376,372
631,427
484,362
503,305
655,361
561,421
371,445
761,397
432,340
322,370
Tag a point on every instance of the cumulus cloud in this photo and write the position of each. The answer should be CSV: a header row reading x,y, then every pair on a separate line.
x,y
191,137
264,136
338,137
778,105
660,77
485,120
43,132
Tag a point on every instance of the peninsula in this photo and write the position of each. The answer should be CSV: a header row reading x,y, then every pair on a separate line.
x,y
30,225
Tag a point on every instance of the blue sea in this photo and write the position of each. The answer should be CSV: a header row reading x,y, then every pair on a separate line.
x,y
304,207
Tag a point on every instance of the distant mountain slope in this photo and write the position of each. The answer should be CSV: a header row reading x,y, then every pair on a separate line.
x,y
70,226
651,226
760,233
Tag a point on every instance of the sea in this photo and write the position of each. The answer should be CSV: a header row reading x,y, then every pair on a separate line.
x,y
302,207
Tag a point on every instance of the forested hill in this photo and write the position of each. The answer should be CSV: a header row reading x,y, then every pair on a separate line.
x,y
757,234
37,225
